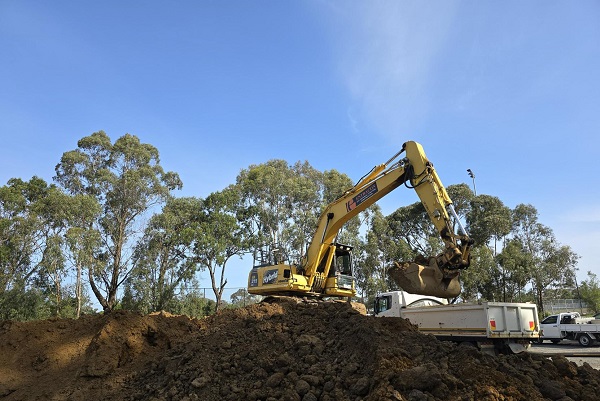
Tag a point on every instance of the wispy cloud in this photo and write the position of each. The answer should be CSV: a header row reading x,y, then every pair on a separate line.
x,y
582,214
386,54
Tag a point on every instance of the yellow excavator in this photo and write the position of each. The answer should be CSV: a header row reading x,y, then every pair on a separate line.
x,y
326,269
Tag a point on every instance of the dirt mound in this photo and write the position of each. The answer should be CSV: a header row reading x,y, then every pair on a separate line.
x,y
277,351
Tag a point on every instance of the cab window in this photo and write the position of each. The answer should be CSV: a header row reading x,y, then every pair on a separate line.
x,y
383,303
343,264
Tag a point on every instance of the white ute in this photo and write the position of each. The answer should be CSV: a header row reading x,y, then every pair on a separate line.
x,y
494,327
570,326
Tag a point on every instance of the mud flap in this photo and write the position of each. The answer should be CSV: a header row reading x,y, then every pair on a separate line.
x,y
425,280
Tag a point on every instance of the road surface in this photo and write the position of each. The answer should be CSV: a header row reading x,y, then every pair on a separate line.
x,y
571,350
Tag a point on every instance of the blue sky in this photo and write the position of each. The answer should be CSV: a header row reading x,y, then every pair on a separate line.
x,y
510,90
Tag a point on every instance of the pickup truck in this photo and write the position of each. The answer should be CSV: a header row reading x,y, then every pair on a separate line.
x,y
494,327
569,326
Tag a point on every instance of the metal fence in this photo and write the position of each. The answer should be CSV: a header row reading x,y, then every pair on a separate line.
x,y
565,305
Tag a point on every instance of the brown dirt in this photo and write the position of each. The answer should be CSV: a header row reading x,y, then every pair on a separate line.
x,y
278,351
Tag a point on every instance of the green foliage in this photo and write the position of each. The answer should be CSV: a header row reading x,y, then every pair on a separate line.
x,y
551,265
461,196
590,292
411,225
281,204
482,280
19,303
371,262
488,219
515,267
219,237
193,304
164,257
33,303
21,231
126,180
95,223
241,298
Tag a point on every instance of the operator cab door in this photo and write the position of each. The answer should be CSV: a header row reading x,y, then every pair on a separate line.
x,y
342,267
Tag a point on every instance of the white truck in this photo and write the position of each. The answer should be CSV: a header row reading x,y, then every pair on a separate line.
x,y
494,327
570,326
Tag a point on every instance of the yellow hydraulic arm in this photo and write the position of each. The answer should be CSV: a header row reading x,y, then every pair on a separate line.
x,y
415,171
439,277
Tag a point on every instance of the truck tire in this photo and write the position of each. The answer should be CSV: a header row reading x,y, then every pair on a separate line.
x,y
585,340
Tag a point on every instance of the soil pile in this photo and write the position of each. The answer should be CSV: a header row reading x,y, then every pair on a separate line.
x,y
269,351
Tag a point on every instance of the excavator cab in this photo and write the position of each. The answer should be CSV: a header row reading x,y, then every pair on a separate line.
x,y
342,270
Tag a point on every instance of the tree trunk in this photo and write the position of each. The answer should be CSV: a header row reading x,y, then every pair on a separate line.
x,y
97,292
78,290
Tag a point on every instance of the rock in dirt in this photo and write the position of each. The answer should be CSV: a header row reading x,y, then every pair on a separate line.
x,y
277,351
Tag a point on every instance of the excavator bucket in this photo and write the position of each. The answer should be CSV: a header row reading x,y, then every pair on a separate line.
x,y
425,280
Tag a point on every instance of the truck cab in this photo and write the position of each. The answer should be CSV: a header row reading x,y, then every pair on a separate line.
x,y
550,327
390,303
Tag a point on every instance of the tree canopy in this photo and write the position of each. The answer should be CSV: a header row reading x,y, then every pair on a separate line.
x,y
111,226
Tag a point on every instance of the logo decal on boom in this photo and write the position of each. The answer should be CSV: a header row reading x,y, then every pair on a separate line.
x,y
361,197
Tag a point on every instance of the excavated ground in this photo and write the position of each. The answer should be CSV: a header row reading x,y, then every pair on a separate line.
x,y
269,351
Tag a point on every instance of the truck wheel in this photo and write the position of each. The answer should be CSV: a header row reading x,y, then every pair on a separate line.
x,y
585,340
555,341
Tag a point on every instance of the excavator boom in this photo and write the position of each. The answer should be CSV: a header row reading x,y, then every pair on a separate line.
x,y
326,267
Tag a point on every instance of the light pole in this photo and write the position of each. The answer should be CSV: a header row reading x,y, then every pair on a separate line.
x,y
472,175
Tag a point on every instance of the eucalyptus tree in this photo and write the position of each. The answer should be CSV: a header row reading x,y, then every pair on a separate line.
x,y
242,298
461,196
265,198
306,198
590,291
218,236
379,252
194,304
19,232
164,257
411,225
409,232
482,280
61,234
516,268
281,204
488,220
33,268
551,264
127,180
21,246
82,239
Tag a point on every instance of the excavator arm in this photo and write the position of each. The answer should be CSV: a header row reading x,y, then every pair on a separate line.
x,y
440,276
435,276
